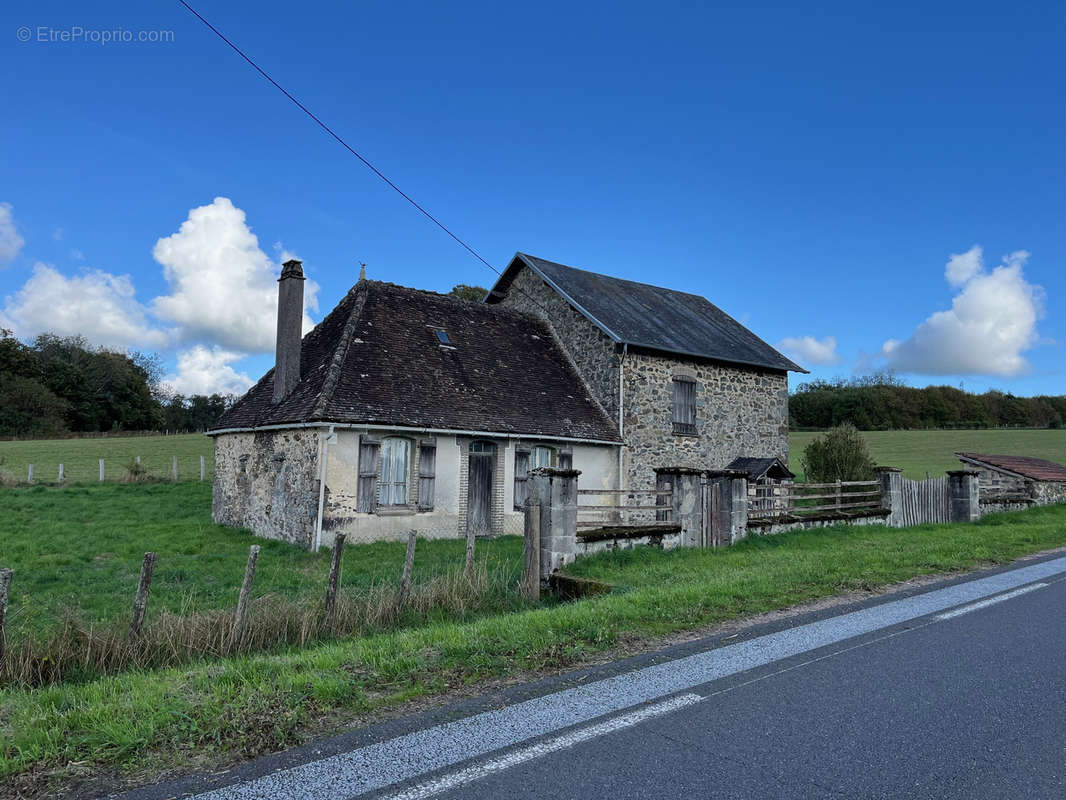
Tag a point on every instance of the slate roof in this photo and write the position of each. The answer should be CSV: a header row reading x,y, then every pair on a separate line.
x,y
651,317
376,358
1036,469
759,467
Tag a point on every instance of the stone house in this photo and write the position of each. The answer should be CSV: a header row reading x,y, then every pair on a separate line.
x,y
686,383
408,410
1017,478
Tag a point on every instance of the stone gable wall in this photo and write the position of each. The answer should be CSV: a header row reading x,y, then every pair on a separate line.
x,y
739,412
268,482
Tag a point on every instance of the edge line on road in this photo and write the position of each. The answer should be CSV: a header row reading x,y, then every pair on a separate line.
x,y
990,601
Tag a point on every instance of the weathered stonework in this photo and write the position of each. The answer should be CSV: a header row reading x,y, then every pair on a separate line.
x,y
1048,493
268,482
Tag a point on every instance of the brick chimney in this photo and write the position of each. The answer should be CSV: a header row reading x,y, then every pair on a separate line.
x,y
290,329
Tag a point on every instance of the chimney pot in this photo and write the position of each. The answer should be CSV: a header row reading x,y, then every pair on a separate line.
x,y
290,329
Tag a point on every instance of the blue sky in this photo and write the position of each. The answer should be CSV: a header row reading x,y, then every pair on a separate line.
x,y
811,169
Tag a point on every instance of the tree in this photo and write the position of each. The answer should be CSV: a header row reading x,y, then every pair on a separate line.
x,y
840,455
464,292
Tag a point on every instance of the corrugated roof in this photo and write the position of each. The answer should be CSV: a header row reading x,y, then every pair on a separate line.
x,y
376,358
1037,469
652,317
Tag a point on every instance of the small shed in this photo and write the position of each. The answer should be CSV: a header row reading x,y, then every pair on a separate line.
x,y
1018,476
765,477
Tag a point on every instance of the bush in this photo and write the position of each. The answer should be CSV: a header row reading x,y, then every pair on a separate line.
x,y
840,455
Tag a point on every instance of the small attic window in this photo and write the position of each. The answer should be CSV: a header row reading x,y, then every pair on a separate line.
x,y
442,336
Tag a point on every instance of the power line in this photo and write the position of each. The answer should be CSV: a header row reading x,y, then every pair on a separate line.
x,y
340,140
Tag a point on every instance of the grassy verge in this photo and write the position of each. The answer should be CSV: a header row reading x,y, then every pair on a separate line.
x,y
244,706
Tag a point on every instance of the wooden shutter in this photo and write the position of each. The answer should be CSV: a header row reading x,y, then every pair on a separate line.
x,y
684,405
521,478
369,466
566,459
427,473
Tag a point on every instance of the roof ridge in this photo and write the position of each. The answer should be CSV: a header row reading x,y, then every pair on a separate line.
x,y
340,353
452,299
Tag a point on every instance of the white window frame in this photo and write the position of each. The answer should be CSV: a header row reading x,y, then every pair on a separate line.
x,y
394,484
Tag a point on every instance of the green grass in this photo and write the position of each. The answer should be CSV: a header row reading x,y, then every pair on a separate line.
x,y
917,452
243,706
80,457
80,548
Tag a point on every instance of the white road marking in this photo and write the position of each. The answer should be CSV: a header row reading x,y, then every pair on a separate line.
x,y
991,601
464,776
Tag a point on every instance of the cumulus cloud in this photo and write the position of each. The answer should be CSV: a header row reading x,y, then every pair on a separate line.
x,y
97,305
809,350
223,286
10,241
208,370
991,322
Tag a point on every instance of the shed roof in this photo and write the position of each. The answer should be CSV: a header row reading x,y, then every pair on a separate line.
x,y
651,317
377,359
757,468
1037,469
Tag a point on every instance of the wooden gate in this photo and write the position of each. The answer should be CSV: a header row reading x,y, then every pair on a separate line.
x,y
715,522
924,502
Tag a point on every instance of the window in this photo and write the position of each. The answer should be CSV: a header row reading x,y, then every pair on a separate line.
x,y
442,336
526,460
684,406
395,461
540,456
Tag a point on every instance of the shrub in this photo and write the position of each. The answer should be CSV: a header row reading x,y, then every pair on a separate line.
x,y
840,455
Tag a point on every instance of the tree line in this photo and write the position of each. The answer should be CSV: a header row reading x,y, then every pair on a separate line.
x,y
56,385
883,402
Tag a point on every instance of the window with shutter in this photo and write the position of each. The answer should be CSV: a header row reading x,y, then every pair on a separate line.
x,y
369,450
566,459
541,456
427,473
521,478
684,406
395,462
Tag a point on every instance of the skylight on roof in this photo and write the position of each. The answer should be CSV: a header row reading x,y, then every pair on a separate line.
x,y
442,335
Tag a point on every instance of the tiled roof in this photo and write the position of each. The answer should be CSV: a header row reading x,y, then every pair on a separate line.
x,y
652,317
1036,469
759,467
377,359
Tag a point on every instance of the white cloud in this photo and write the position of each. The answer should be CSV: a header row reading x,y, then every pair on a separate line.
x,y
808,350
223,286
10,241
97,305
991,322
203,370
77,254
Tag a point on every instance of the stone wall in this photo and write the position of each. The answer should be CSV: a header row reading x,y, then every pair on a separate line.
x,y
268,482
1048,493
739,412
994,482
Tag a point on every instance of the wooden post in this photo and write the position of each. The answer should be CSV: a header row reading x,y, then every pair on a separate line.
x,y
242,598
531,553
174,469
203,468
140,603
60,473
101,470
334,576
29,474
138,459
408,566
838,492
469,568
5,592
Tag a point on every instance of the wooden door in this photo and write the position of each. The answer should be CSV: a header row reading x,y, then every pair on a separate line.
x,y
714,518
479,487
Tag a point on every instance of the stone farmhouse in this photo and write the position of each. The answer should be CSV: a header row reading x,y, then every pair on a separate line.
x,y
408,410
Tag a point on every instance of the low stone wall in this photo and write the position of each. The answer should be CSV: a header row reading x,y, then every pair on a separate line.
x,y
1000,504
602,539
768,526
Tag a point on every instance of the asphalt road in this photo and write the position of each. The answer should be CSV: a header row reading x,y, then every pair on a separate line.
x,y
957,691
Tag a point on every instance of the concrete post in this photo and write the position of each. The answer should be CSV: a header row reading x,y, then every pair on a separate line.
x,y
686,502
556,492
964,496
891,480
731,522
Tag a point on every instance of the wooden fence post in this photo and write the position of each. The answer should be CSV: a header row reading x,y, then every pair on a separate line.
x,y
101,470
408,566
174,469
469,568
29,474
531,553
246,589
5,593
140,603
838,493
334,576
60,473
203,468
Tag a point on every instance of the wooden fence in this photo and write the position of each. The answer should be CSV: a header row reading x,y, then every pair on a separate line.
x,y
805,499
625,507
923,502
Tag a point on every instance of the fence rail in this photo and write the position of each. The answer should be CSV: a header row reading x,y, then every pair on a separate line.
x,y
639,511
799,499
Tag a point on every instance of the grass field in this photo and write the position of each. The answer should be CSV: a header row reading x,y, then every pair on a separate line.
x,y
916,452
243,706
80,457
